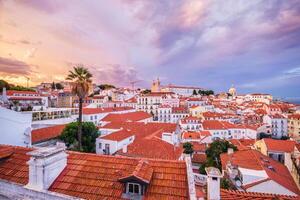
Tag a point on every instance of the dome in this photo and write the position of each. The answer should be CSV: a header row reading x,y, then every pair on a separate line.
x,y
232,91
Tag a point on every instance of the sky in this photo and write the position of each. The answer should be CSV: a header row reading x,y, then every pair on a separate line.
x,y
253,45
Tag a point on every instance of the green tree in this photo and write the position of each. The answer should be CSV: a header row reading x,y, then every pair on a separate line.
x,y
21,88
213,153
4,84
147,91
106,86
226,184
194,92
188,148
81,80
59,86
89,135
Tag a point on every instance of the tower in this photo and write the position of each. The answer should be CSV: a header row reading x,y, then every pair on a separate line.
x,y
232,91
155,85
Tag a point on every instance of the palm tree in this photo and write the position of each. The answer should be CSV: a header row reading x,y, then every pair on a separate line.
x,y
81,80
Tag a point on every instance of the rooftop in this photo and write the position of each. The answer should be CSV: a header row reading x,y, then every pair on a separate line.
x,y
91,176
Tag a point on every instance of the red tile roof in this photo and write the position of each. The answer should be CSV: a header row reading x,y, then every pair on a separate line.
x,y
142,171
280,145
199,158
241,195
6,152
91,176
118,135
243,144
131,116
44,134
12,92
195,134
14,167
252,159
294,116
148,140
90,111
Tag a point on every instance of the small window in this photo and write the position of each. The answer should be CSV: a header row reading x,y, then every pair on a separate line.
x,y
214,178
100,145
133,188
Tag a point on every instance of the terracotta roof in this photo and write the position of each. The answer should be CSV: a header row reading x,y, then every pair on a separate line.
x,y
44,134
118,135
142,171
14,167
131,116
243,144
195,134
148,140
252,159
152,148
12,92
199,158
294,116
199,147
90,111
241,195
6,152
279,145
91,176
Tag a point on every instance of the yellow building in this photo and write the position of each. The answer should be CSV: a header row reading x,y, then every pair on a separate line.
x,y
294,126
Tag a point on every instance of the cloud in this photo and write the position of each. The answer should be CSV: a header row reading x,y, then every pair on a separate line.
x,y
45,6
115,74
12,66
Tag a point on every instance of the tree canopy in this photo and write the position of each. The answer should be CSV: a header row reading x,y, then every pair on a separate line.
x,y
89,135
188,148
4,84
213,153
206,92
106,86
9,86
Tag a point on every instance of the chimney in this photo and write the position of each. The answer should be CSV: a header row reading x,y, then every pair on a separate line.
x,y
230,151
45,165
213,183
124,149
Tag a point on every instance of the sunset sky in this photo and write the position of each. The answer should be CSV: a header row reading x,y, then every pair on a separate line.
x,y
254,45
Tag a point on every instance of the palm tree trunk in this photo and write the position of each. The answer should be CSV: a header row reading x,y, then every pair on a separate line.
x,y
80,124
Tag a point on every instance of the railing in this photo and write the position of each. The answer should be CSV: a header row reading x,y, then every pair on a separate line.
x,y
200,179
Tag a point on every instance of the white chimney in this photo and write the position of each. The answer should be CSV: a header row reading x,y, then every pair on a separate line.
x,y
124,149
213,183
45,165
230,151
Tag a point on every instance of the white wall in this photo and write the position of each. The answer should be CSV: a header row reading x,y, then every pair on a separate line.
x,y
15,127
270,187
114,146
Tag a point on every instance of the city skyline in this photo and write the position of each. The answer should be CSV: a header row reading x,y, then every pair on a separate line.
x,y
253,45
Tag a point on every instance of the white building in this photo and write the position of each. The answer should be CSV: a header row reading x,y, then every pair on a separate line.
x,y
181,90
278,124
252,171
15,127
113,142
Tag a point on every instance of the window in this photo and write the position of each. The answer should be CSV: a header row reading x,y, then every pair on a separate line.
x,y
91,117
133,188
100,145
